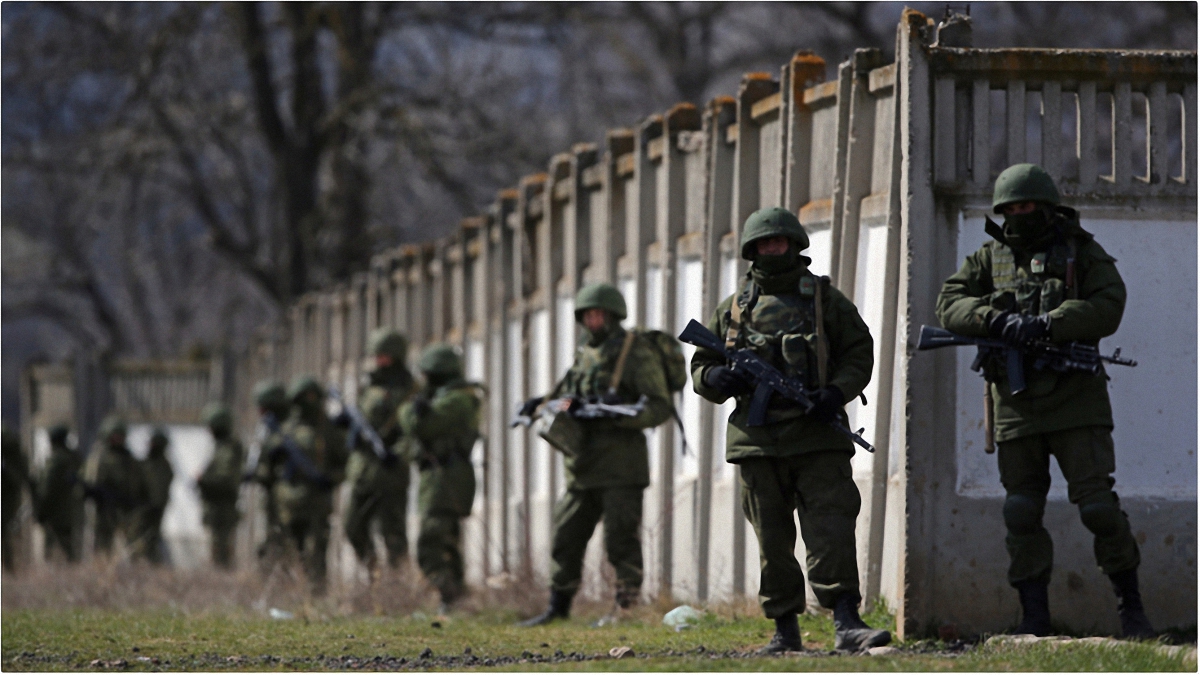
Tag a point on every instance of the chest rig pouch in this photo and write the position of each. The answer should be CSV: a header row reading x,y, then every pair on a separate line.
x,y
788,331
1032,284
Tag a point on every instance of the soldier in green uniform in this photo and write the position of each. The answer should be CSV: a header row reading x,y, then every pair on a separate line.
x,y
605,480
16,475
59,499
441,425
158,476
114,481
796,462
306,462
271,399
1043,276
220,483
380,487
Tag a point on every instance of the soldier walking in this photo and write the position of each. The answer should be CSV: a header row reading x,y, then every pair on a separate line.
x,y
114,481
1043,277
306,462
441,425
270,397
59,498
795,463
220,483
16,475
379,490
158,476
607,477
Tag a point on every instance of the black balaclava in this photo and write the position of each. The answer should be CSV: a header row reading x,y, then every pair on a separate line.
x,y
1029,231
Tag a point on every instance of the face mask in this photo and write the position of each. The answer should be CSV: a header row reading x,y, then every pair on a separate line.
x,y
775,264
598,336
1026,229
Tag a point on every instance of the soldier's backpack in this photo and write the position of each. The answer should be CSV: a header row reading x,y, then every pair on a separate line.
x,y
671,353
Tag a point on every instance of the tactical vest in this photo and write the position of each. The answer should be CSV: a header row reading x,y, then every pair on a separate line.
x,y
1042,283
787,330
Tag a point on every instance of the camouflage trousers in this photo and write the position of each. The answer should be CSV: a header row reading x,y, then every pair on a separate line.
x,y
1087,460
379,495
305,525
221,517
439,553
575,518
63,536
111,520
820,489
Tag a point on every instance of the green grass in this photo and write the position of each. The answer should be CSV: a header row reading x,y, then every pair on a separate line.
x,y
53,639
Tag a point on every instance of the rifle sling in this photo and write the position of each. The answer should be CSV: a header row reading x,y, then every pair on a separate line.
x,y
619,370
822,346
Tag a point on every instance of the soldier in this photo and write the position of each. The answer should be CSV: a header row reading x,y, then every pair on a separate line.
x,y
59,499
380,487
114,481
1043,276
220,483
158,475
16,475
440,427
605,480
796,462
271,399
306,462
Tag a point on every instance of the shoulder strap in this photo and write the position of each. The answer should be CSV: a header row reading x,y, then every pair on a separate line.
x,y
1072,255
619,370
735,312
822,343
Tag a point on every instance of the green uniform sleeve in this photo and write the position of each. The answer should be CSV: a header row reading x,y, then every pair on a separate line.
x,y
703,359
644,370
446,416
851,348
964,305
1097,313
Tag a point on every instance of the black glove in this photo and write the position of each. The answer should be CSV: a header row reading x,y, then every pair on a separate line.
x,y
421,406
1016,329
724,380
342,421
826,403
610,398
529,407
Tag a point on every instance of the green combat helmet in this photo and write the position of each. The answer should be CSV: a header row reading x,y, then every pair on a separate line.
x,y
301,386
387,342
158,439
771,222
112,424
601,296
272,397
1024,183
218,418
440,360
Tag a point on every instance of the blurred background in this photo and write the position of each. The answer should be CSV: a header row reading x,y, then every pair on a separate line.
x,y
175,173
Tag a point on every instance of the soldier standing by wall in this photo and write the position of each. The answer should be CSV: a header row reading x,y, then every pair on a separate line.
x,y
306,467
114,480
795,462
159,474
16,475
59,499
1044,277
612,469
220,483
271,399
440,427
380,487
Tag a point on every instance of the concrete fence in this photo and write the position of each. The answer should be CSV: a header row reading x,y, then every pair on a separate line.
x,y
889,167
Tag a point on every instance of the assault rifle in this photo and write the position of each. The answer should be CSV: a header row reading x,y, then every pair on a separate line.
x,y
359,426
296,459
766,378
580,408
1069,357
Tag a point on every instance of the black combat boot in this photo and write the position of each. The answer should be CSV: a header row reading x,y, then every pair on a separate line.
x,y
852,633
560,608
1134,623
787,636
1035,609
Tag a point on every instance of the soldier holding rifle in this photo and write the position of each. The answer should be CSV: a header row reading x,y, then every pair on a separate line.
x,y
1043,278
795,454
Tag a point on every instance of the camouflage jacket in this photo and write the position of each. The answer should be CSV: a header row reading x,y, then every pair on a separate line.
x,y
158,476
998,277
58,491
440,441
614,452
113,478
781,327
222,478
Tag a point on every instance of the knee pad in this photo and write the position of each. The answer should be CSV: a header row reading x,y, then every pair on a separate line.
x,y
1102,517
1023,514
